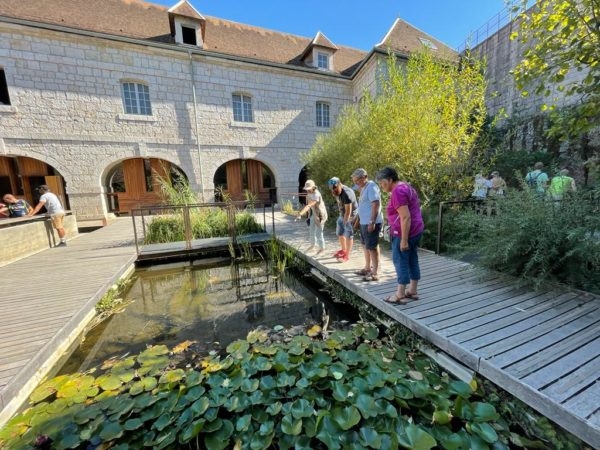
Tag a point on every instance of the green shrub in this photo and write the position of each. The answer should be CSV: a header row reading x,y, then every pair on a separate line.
x,y
164,229
537,239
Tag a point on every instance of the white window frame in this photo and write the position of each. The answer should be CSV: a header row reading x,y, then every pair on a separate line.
x,y
323,57
323,114
242,107
136,98
180,24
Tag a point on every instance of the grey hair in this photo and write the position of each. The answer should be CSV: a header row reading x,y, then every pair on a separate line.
x,y
387,173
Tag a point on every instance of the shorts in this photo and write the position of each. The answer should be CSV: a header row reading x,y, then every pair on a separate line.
x,y
58,220
370,239
344,229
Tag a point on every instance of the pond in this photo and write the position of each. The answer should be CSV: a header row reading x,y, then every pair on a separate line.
x,y
211,304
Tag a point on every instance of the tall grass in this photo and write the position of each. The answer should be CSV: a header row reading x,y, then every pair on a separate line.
x,y
206,221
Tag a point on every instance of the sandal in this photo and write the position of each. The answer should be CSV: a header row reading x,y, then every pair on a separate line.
x,y
362,272
371,277
395,300
411,295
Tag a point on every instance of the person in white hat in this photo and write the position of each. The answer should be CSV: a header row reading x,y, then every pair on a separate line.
x,y
318,216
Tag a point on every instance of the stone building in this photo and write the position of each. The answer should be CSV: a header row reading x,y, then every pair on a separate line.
x,y
98,98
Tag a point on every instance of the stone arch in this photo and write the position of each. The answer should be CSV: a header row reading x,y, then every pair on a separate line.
x,y
236,176
21,175
132,183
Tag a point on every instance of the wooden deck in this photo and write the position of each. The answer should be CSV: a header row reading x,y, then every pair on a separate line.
x,y
541,346
48,298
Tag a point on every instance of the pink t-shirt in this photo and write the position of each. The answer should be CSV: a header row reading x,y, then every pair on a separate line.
x,y
404,194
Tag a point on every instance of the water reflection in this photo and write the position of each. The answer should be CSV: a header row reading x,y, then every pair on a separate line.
x,y
210,305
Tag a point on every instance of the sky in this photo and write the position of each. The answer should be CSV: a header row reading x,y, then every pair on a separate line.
x,y
355,23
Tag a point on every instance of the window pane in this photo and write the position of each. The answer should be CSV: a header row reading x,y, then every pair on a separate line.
x,y
242,108
136,99
322,60
322,114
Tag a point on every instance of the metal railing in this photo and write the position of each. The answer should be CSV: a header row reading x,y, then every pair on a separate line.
x,y
143,217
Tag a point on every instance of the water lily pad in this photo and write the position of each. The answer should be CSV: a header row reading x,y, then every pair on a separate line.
x,y
238,347
109,382
291,425
346,417
416,438
484,431
172,376
110,431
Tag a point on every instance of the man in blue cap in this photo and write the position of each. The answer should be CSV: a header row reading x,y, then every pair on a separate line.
x,y
348,208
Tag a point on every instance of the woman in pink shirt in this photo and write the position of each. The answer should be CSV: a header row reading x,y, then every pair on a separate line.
x,y
406,222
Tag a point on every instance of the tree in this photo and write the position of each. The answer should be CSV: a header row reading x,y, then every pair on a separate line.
x,y
562,36
424,124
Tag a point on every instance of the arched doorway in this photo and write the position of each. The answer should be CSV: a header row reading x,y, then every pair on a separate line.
x,y
134,183
236,178
20,176
302,177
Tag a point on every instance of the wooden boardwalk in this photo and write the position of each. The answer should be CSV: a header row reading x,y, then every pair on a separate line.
x,y
541,346
48,298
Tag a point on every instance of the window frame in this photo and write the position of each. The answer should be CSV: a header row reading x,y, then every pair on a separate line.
x,y
4,94
140,104
326,57
323,114
244,113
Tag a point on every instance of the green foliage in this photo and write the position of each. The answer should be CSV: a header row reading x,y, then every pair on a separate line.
x,y
206,223
113,298
537,239
425,124
561,37
514,165
347,390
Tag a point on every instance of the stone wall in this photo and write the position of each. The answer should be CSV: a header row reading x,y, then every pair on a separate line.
x,y
67,110
25,237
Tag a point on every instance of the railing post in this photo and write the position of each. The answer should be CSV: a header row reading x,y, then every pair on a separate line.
x,y
187,227
135,238
439,229
231,223
272,218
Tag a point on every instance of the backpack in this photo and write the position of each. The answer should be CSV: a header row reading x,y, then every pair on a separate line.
x,y
532,180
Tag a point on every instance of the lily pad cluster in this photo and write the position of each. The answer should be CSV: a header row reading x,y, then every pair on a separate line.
x,y
347,389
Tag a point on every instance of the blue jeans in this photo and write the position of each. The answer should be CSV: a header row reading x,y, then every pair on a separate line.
x,y
315,232
406,263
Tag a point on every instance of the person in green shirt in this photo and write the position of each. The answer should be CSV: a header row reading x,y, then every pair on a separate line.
x,y
561,184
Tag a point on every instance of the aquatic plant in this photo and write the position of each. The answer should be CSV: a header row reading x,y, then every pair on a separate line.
x,y
347,389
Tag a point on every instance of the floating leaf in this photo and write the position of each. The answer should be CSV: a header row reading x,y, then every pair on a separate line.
x,y
483,412
183,346
132,424
191,431
346,417
172,376
460,388
484,431
109,382
302,408
416,438
314,331
291,425
243,423
110,431
415,375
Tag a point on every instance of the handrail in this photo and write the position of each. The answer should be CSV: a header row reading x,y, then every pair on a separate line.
x,y
230,207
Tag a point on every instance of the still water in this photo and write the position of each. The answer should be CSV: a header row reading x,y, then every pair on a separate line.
x,y
212,305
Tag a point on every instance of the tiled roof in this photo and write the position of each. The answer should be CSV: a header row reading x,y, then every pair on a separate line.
x,y
141,20
404,38
322,41
183,8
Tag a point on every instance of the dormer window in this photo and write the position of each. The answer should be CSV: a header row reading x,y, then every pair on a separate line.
x,y
187,25
322,60
188,35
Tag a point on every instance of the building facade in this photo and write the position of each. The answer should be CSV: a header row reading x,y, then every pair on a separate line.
x,y
98,99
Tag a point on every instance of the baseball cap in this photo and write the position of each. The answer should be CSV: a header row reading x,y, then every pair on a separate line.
x,y
310,184
359,173
333,182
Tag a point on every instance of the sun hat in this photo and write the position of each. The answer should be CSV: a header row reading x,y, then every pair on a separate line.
x,y
359,173
309,185
333,182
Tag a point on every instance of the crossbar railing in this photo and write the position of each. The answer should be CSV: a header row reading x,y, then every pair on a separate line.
x,y
142,217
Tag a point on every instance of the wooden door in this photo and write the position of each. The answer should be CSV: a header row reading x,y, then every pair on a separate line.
x,y
57,186
234,180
